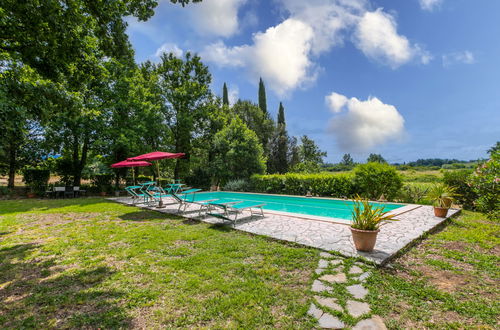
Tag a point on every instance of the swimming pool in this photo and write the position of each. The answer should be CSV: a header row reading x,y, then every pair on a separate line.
x,y
319,207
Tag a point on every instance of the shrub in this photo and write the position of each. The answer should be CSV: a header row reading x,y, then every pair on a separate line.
x,y
237,185
375,180
320,184
485,182
4,191
459,180
36,178
413,193
103,182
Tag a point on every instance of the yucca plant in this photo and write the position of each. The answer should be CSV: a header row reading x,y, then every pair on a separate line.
x,y
366,216
442,195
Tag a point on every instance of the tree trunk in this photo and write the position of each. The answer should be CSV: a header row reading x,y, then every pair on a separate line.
x,y
12,165
79,162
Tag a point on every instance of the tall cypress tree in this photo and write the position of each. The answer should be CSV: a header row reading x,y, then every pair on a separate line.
x,y
262,97
281,115
225,96
278,158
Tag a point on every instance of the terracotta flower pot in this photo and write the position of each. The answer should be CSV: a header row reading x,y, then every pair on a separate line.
x,y
31,195
102,193
440,211
364,240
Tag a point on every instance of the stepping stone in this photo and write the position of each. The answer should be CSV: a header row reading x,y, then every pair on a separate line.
x,y
318,286
323,263
319,270
364,276
327,321
355,270
337,278
329,302
335,262
315,311
375,323
325,255
357,291
356,308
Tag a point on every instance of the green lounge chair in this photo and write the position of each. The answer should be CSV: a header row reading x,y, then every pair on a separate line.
x,y
237,208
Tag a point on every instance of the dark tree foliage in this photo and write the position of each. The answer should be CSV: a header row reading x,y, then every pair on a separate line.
x,y
376,158
256,120
347,160
434,162
310,152
225,95
279,145
262,97
185,89
495,148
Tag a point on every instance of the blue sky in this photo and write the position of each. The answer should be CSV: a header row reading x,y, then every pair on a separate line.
x,y
408,79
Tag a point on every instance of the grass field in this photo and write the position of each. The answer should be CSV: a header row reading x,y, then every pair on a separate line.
x,y
448,281
92,263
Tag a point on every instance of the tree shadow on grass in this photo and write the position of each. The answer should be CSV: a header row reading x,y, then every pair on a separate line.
x,y
146,215
39,293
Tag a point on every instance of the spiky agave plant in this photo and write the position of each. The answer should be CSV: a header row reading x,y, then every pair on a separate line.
x,y
442,195
366,216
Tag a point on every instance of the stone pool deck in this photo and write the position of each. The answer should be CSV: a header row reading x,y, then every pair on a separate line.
x,y
328,236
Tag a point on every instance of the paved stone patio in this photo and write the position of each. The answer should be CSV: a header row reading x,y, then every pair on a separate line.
x,y
328,236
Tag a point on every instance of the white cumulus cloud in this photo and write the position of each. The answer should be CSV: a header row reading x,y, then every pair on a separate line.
x,y
285,55
430,5
336,101
377,37
216,17
233,94
463,57
169,48
361,125
279,55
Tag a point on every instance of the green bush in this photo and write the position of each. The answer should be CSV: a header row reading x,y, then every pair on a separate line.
x,y
319,184
237,185
37,179
103,182
375,180
413,193
485,182
459,180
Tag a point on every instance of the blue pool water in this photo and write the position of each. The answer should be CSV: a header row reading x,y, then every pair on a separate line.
x,y
294,204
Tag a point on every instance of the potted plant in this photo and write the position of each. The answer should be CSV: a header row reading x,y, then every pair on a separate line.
x,y
442,197
366,221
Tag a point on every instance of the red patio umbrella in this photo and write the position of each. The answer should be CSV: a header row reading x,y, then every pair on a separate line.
x,y
127,163
156,155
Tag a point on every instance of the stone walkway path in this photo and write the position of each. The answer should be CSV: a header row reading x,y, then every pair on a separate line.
x,y
340,295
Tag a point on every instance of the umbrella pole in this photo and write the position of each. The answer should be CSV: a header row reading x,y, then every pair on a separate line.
x,y
133,176
160,203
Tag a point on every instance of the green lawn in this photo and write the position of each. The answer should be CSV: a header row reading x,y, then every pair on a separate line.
x,y
93,263
449,281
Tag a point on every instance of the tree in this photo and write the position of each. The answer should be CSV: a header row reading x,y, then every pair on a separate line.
x,y
225,96
185,89
238,153
256,120
347,160
262,97
310,152
494,149
376,158
376,180
278,157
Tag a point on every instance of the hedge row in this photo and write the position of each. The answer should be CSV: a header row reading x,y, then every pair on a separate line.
x,y
321,184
